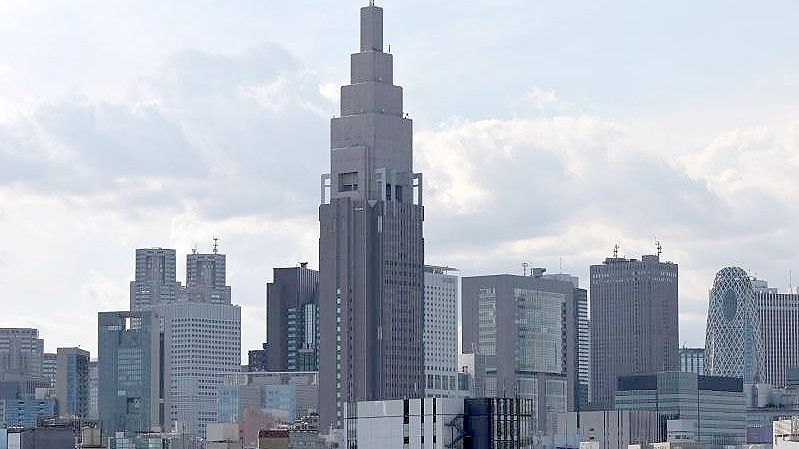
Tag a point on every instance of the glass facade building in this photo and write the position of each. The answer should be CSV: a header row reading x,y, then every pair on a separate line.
x,y
692,360
72,382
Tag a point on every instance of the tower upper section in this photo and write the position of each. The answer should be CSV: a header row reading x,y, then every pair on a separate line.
x,y
371,142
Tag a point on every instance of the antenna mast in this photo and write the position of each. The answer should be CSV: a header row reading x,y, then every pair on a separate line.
x,y
216,245
616,251
524,268
659,247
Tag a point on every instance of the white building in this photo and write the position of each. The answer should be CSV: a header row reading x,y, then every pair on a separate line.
x,y
440,332
786,434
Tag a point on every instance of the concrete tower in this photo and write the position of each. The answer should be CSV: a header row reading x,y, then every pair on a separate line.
x,y
371,250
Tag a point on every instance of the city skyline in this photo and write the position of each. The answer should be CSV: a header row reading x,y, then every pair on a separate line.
x,y
707,210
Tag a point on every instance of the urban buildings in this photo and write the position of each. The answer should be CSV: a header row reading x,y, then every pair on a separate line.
x,y
155,282
440,332
49,363
634,327
93,413
284,396
26,412
733,343
292,321
692,360
704,409
526,328
72,382
21,354
603,429
371,250
131,372
430,423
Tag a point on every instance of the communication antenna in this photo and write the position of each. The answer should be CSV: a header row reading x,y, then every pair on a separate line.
x,y
524,268
790,281
194,249
216,245
371,2
616,250
659,247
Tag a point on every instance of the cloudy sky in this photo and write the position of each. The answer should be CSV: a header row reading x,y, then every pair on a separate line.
x,y
546,131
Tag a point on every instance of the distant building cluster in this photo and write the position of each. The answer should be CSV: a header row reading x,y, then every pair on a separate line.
x,y
377,349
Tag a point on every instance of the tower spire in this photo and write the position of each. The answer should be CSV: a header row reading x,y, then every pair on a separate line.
x,y
371,28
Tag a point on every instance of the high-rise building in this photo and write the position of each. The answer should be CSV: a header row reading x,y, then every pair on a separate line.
x,y
206,278
131,372
371,250
733,343
21,354
692,360
49,363
204,342
440,332
292,320
155,281
778,320
526,327
94,414
72,382
634,322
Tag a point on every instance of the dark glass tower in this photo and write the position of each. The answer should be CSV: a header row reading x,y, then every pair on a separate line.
x,y
371,250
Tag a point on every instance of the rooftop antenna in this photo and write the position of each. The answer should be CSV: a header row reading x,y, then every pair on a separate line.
x,y
790,281
659,247
371,2
560,265
194,249
616,250
216,245
524,268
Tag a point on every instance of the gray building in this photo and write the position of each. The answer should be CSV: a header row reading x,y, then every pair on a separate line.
x,y
440,332
692,360
283,395
733,343
292,320
206,278
778,316
131,378
604,429
707,409
21,354
634,322
72,382
155,282
526,328
49,363
93,414
371,250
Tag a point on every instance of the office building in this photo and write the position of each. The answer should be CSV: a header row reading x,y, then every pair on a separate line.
x,y
72,382
778,320
257,360
733,343
131,372
205,341
708,409
155,282
692,360
292,321
49,362
93,384
633,322
526,328
430,423
206,278
440,332
371,250
21,354
27,413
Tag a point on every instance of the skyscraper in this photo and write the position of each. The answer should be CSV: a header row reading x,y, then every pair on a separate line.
x,y
292,320
155,281
131,375
778,316
21,354
633,322
733,343
527,328
371,250
206,278
440,332
72,382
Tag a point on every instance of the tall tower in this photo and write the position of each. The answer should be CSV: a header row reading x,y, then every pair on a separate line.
x,y
634,322
371,250
155,281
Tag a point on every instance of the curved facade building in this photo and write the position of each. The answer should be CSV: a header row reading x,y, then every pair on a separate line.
x,y
733,344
